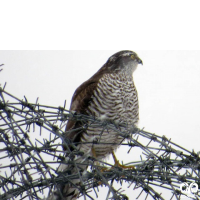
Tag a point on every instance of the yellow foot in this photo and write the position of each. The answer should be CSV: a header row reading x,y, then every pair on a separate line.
x,y
117,164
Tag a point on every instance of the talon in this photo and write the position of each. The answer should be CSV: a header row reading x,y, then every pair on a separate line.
x,y
117,164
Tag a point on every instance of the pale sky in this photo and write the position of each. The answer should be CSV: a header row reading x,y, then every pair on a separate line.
x,y
168,85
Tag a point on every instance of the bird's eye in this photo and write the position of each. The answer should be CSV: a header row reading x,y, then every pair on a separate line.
x,y
133,57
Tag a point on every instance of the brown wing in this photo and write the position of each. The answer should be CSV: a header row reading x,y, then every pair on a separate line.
x,y
80,102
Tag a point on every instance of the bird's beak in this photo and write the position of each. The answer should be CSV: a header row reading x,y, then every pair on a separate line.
x,y
140,61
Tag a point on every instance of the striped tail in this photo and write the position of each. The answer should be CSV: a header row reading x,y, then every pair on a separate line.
x,y
70,191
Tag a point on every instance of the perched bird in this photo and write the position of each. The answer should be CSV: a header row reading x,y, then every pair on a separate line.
x,y
110,94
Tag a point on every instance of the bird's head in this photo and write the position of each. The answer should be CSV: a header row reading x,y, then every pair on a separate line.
x,y
124,60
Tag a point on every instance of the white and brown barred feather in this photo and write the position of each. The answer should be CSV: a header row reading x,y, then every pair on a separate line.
x,y
110,94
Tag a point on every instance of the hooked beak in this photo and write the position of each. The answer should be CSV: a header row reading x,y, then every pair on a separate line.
x,y
140,61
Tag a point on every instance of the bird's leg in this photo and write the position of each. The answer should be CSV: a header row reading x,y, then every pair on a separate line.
x,y
97,162
94,153
117,164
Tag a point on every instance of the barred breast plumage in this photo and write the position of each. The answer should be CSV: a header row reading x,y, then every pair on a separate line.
x,y
115,98
110,94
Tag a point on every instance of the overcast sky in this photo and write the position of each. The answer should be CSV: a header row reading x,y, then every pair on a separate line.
x,y
168,85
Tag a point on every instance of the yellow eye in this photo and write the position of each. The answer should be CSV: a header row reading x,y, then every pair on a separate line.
x,y
133,57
